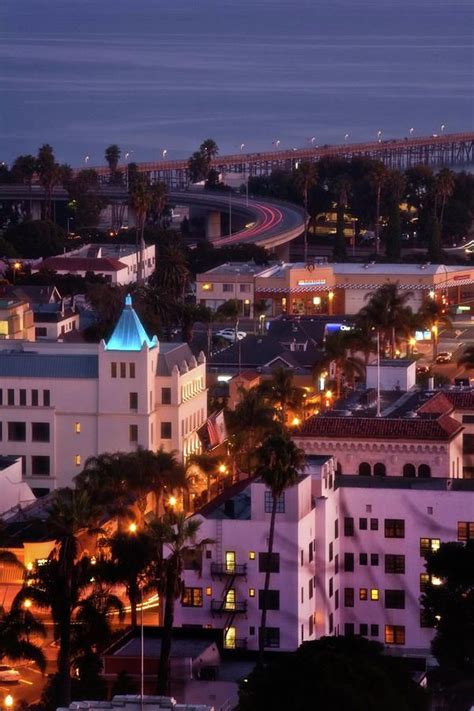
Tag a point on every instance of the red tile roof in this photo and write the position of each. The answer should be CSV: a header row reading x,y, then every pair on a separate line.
x,y
447,401
462,400
83,264
442,428
436,405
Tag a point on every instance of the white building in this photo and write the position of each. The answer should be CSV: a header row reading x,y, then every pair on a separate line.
x,y
62,402
224,584
372,536
116,262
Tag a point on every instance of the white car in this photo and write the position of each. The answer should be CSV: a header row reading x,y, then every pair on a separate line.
x,y
229,334
9,675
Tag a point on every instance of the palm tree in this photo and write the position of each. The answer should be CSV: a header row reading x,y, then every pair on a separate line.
x,y
341,187
395,186
50,174
282,391
444,187
16,626
280,463
361,338
158,308
379,176
209,149
129,557
154,472
387,312
433,317
208,464
230,311
466,359
174,536
23,171
260,308
305,178
251,421
336,348
172,271
105,481
112,156
140,200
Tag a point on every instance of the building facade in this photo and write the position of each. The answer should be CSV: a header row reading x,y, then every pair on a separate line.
x,y
16,320
62,402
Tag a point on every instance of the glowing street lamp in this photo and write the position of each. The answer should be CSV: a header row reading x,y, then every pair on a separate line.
x,y
379,136
165,151
222,469
346,137
412,131
312,140
277,143
443,126
172,501
133,527
242,146
27,603
86,159
8,701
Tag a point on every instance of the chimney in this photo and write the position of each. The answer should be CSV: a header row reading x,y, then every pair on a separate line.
x,y
431,383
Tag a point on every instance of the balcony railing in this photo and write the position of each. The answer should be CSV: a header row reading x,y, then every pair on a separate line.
x,y
226,606
228,569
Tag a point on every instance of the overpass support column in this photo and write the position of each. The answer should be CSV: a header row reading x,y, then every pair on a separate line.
x,y
282,252
35,210
213,225
131,217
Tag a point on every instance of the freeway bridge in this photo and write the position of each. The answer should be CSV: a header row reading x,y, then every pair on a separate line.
x,y
454,149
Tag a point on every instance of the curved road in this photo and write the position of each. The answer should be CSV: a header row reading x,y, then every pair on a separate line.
x,y
269,224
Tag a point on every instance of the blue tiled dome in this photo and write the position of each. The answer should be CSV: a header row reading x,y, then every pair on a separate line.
x,y
129,334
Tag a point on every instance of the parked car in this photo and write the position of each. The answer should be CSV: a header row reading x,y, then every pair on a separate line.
x,y
444,357
8,675
229,334
422,369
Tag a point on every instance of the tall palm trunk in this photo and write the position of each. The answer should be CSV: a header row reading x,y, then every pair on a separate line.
x,y
377,220
163,669
306,224
133,596
64,654
266,586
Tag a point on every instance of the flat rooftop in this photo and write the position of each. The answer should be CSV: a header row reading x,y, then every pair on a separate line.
x,y
355,481
235,269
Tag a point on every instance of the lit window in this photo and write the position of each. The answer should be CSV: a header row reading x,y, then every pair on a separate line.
x,y
209,592
251,592
363,594
374,594
78,428
429,545
77,459
252,555
394,634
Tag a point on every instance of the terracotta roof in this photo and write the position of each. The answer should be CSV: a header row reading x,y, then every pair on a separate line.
x,y
442,428
247,375
83,264
447,401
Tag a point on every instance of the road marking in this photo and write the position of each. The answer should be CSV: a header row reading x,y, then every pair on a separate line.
x,y
36,671
24,681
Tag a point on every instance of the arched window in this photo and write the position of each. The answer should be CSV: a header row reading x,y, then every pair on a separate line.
x,y
424,471
409,471
379,469
365,469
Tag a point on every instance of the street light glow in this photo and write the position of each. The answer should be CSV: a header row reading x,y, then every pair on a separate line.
x,y
133,527
172,501
8,701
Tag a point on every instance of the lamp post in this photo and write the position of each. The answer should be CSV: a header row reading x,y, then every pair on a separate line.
x,y
379,136
242,146
412,130
165,151
443,126
86,159
346,137
8,701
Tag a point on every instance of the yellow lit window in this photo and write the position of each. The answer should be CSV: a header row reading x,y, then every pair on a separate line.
x,y
208,592
435,544
77,459
78,428
363,594
251,592
208,287
252,555
374,594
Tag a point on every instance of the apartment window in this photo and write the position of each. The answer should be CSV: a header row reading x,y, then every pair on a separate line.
x,y
280,504
395,564
363,630
310,589
363,558
166,396
394,634
133,433
374,524
348,597
34,398
268,564
395,599
123,370
331,623
113,370
1,431
425,582
374,559
363,594
465,530
1,396
11,396
363,524
272,637
310,552
302,558
272,599
77,428
46,398
331,587
349,562
336,528
227,288
17,431
374,594
133,401
40,431
349,629
131,369
336,600
348,526
251,592
192,597
245,288
336,564
40,466
166,430
429,545
208,592
23,398
330,551
394,528
77,460
251,555
374,630
310,625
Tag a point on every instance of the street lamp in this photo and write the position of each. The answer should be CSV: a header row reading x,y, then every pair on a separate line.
x,y
132,528
165,151
172,501
312,140
27,603
8,701
277,143
242,146
379,136
443,126
412,130
346,137
86,159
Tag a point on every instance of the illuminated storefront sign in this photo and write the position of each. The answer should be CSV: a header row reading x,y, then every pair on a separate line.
x,y
311,282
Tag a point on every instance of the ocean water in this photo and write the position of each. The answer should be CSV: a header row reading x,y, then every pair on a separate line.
x,y
152,75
